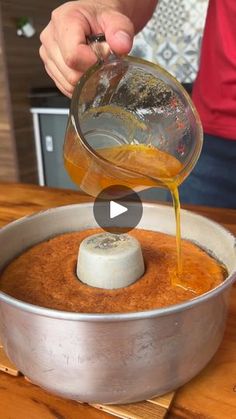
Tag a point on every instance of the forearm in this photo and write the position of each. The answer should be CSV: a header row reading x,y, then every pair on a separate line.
x,y
139,11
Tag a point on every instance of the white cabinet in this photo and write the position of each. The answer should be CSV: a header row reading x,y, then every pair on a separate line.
x,y
49,131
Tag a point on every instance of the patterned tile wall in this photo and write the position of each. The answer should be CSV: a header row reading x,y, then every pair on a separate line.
x,y
172,38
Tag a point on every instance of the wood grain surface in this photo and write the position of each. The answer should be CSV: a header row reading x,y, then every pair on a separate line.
x,y
8,162
24,71
210,395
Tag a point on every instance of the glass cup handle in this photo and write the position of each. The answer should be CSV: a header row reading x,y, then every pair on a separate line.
x,y
100,47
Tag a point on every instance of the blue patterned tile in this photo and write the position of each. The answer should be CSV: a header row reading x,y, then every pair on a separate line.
x,y
172,38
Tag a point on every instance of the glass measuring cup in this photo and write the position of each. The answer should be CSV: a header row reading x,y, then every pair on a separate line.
x,y
131,123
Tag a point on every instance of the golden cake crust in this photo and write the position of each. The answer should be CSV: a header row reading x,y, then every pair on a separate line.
x,y
45,275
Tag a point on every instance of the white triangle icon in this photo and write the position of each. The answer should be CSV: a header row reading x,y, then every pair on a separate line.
x,y
116,209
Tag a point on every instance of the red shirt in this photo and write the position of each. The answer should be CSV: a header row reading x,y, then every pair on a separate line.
x,y
214,92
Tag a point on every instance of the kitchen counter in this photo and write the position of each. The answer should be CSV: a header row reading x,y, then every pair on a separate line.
x,y
212,394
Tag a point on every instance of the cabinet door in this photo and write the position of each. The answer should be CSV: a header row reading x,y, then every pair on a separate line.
x,y
53,129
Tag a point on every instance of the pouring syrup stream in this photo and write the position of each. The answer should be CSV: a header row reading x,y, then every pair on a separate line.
x,y
153,168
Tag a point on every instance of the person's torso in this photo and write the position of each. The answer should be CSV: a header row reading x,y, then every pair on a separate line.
x,y
214,91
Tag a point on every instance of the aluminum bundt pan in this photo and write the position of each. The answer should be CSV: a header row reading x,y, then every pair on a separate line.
x,y
114,358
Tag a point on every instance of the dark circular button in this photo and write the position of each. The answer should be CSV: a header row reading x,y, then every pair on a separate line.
x,y
118,209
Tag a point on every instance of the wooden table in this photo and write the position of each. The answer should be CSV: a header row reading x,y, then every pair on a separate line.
x,y
212,394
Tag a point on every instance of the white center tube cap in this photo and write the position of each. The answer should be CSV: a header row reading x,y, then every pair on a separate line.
x,y
110,261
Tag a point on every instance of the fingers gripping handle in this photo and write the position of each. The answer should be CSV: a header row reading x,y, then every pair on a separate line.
x,y
99,46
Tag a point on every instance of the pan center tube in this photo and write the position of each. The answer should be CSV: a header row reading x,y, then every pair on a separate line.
x,y
110,261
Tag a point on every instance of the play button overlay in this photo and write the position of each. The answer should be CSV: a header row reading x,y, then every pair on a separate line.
x,y
117,209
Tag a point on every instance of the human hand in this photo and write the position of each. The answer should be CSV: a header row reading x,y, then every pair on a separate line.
x,y
64,50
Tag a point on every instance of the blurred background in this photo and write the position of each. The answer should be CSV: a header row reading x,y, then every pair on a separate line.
x,y
34,114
